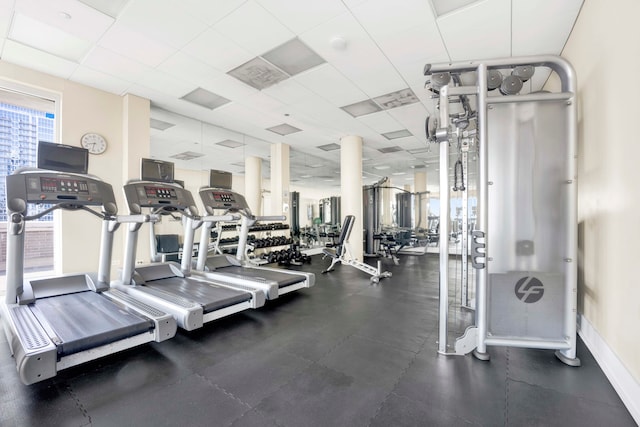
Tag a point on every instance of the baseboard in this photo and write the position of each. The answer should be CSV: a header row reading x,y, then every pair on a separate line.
x,y
621,379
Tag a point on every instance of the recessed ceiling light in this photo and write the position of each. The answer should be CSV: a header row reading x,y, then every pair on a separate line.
x,y
315,165
230,143
284,129
381,167
397,134
305,176
187,155
398,173
443,7
160,125
396,99
206,99
258,74
393,149
329,147
361,108
418,150
293,57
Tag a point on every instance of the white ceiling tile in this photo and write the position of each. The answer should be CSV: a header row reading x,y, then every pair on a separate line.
x,y
229,87
211,11
242,24
165,21
331,85
481,30
380,122
353,3
383,17
217,50
162,82
361,61
46,38
108,7
300,16
35,59
83,22
107,61
185,67
99,80
534,33
136,45
244,113
289,91
412,118
262,102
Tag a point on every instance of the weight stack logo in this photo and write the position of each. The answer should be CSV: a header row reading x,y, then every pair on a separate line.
x,y
529,289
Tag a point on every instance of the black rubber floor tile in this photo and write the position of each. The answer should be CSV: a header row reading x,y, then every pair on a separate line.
x,y
320,396
254,418
120,376
192,401
368,361
531,405
472,390
252,375
403,412
31,405
316,343
541,367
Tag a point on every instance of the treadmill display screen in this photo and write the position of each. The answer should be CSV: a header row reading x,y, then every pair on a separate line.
x,y
160,192
222,197
63,185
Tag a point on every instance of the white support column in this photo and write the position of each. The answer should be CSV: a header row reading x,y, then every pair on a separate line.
x,y
253,184
280,203
351,185
420,186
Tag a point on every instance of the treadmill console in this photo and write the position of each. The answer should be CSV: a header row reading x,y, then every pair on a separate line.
x,y
215,198
53,188
148,194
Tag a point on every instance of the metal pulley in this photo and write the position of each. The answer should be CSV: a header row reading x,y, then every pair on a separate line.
x,y
438,80
524,72
494,79
511,85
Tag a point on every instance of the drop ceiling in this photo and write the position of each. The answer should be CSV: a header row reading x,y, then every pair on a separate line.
x,y
356,69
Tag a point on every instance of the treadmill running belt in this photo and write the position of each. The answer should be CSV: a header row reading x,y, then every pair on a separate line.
x,y
210,296
87,320
282,279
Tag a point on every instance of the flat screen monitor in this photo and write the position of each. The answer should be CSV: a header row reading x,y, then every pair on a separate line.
x,y
156,170
220,179
62,158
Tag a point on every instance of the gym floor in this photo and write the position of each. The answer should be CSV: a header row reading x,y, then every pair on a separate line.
x,y
342,353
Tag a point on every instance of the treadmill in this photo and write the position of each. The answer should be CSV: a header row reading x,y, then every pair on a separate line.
x,y
58,322
273,281
169,286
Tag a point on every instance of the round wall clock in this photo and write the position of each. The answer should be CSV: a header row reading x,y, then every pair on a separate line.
x,y
95,143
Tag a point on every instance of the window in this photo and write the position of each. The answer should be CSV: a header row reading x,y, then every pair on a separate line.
x,y
25,119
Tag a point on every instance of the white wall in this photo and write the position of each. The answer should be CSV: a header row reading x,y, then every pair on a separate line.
x,y
85,109
603,49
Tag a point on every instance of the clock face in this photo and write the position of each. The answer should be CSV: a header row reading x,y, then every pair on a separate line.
x,y
95,143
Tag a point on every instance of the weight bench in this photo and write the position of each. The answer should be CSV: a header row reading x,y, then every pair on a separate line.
x,y
341,253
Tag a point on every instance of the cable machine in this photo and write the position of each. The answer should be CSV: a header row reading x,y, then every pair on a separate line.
x,y
525,245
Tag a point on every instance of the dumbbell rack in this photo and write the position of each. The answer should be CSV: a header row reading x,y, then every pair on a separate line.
x,y
229,244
